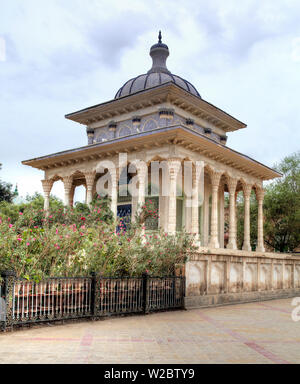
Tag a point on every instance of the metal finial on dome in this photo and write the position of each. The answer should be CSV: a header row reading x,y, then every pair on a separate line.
x,y
159,53
159,37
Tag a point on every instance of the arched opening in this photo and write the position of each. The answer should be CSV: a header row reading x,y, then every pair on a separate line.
x,y
58,188
78,190
79,194
125,199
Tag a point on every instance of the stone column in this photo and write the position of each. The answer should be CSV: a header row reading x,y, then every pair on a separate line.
x,y
232,183
221,218
214,237
206,213
72,196
247,193
142,171
260,221
47,186
68,183
89,178
174,167
114,191
195,205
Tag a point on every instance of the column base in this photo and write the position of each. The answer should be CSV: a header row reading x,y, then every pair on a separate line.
x,y
232,245
214,244
260,248
197,242
247,247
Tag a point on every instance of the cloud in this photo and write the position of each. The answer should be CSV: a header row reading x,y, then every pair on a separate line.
x,y
63,56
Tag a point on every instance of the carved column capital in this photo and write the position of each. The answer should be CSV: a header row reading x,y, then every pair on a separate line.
x,y
68,182
260,193
232,184
47,186
90,178
247,188
215,177
174,165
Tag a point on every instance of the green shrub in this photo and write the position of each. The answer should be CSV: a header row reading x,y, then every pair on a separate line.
x,y
79,241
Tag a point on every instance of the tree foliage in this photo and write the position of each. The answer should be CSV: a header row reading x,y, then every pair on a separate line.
x,y
6,193
282,207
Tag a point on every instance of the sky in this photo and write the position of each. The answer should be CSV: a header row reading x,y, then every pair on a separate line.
x,y
57,57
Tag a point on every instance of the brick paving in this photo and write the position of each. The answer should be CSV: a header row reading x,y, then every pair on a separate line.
x,y
246,333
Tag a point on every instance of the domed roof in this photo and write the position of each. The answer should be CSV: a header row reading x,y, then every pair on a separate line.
x,y
158,74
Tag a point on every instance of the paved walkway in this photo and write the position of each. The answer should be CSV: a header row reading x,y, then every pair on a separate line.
x,y
248,333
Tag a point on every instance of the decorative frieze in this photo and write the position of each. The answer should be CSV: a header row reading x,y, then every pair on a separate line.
x,y
166,113
223,139
189,122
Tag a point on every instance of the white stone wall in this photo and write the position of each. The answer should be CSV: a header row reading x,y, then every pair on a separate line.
x,y
240,272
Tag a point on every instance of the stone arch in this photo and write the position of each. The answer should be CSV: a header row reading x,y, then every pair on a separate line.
x,y
277,276
106,172
102,136
125,131
56,177
236,272
78,189
297,276
217,277
250,277
57,186
149,125
265,277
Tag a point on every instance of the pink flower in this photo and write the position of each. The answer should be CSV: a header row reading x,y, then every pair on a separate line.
x,y
20,213
10,225
19,239
27,244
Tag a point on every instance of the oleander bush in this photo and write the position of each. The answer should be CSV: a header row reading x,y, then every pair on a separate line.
x,y
76,242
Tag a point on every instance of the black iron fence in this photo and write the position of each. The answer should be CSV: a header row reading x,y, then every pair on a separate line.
x,y
25,302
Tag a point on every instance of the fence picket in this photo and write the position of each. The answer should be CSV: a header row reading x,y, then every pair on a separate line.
x,y
63,298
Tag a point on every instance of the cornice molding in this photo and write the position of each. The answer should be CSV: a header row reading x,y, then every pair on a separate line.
x,y
176,135
170,93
